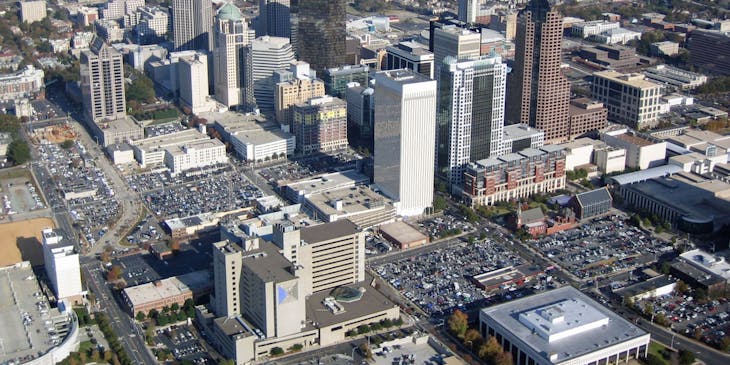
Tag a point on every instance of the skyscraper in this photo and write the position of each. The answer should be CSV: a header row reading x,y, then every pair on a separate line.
x,y
539,93
193,81
261,58
274,18
232,34
102,82
468,10
451,40
470,114
321,33
405,136
192,24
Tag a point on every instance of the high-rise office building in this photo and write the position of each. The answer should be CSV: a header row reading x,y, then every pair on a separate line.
x,y
264,56
232,34
410,55
360,115
192,24
62,265
321,35
539,93
631,99
102,82
468,10
454,41
320,125
470,114
405,136
193,81
274,18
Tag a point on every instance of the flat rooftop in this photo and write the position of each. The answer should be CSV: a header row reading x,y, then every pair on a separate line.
x,y
645,286
355,200
708,262
326,182
166,288
118,125
234,326
634,140
328,231
563,322
402,232
370,302
157,143
633,80
23,339
198,144
519,131
268,264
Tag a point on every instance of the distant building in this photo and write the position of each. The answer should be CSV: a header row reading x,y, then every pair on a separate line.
x,y
591,203
405,136
665,48
254,142
629,98
410,55
87,16
336,79
591,28
674,77
62,265
617,36
709,50
153,24
515,175
517,137
360,115
109,30
468,10
193,81
274,18
610,56
320,34
320,125
192,25
33,11
231,34
261,58
21,84
562,326
641,152
457,42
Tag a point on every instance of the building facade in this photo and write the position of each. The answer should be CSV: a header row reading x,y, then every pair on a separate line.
x,y
410,55
457,42
102,82
336,79
321,35
629,98
320,125
539,94
193,82
192,25
514,176
470,124
21,84
586,115
264,56
33,11
405,136
274,18
232,34
468,10
709,50
299,88
62,265
360,115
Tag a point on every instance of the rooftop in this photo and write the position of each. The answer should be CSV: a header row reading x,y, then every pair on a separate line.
x,y
634,140
328,231
268,264
707,262
594,197
370,302
402,232
642,175
518,131
326,182
562,324
633,80
645,286
160,290
353,200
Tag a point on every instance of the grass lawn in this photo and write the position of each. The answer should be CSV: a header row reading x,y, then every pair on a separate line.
x,y
657,349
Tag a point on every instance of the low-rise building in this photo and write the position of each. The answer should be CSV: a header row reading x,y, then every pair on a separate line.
x,y
562,326
116,131
517,137
515,176
617,36
359,204
676,78
585,115
648,289
109,30
664,48
591,28
297,191
592,203
704,270
253,139
642,152
609,159
180,151
166,292
21,84
630,98
403,235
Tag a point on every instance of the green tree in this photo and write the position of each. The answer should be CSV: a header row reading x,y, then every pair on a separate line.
x,y
141,89
67,144
276,351
681,287
686,357
19,152
489,349
439,203
140,316
458,323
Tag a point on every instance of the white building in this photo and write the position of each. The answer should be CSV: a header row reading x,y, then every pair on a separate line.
x,y
109,30
193,82
468,10
264,56
180,151
62,265
192,24
33,11
82,40
404,134
232,33
578,153
152,22
471,121
21,83
675,77
117,9
256,142
617,36
609,158
641,152
629,98
591,28
562,326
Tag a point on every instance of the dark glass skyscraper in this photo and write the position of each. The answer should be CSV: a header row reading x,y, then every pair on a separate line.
x,y
321,36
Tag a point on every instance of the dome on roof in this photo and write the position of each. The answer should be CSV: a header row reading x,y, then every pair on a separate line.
x,y
229,12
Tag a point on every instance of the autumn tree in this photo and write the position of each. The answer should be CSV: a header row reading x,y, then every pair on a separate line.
x,y
458,323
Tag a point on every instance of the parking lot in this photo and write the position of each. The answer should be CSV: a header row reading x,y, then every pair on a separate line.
x,y
440,280
144,268
183,344
444,225
162,129
602,247
81,187
708,321
214,192
147,231
19,195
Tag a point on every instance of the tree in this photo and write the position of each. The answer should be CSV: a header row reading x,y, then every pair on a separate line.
x,y
725,343
503,358
174,307
19,152
473,338
686,357
681,287
276,351
67,144
365,350
458,323
140,316
439,203
114,273
489,349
